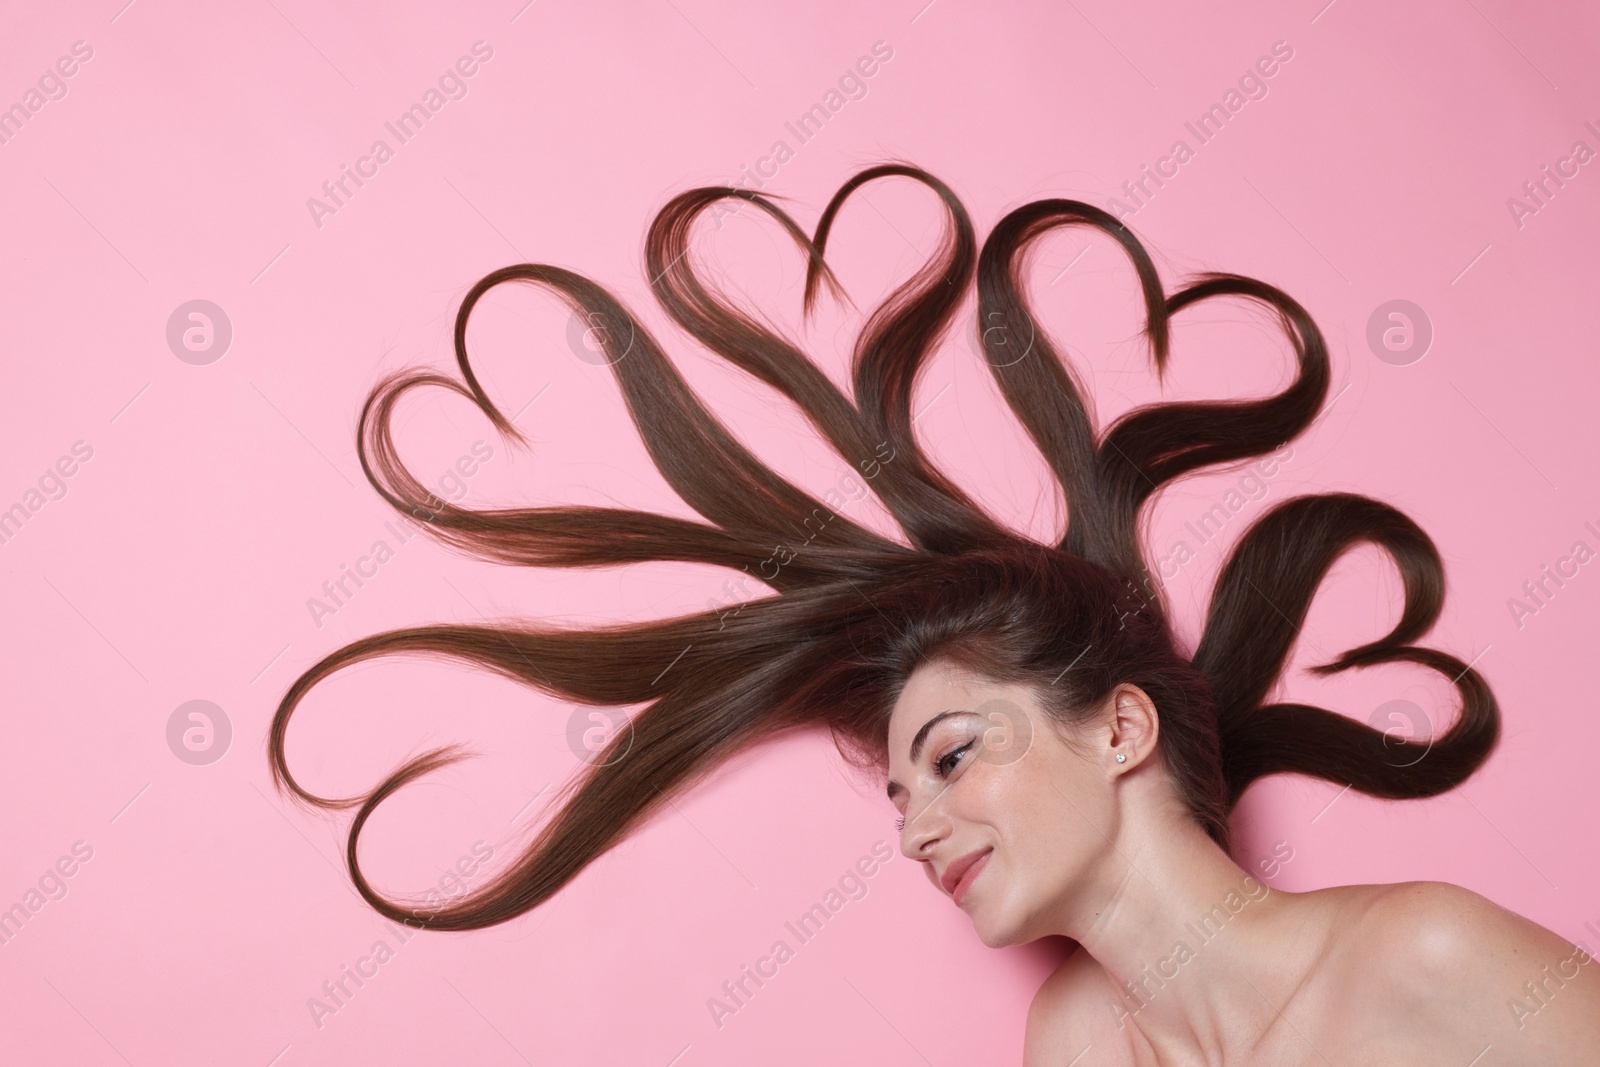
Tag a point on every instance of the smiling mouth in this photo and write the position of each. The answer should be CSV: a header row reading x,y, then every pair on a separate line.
x,y
964,871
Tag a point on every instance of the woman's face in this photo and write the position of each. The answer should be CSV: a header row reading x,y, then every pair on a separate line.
x,y
994,790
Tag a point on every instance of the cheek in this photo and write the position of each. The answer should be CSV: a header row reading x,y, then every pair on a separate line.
x,y
1029,799
1055,822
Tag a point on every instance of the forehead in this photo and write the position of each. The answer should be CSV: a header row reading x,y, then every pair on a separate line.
x,y
935,686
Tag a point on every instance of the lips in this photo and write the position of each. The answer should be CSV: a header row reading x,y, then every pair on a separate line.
x,y
960,874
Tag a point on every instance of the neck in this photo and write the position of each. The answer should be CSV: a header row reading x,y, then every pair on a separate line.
x,y
1195,945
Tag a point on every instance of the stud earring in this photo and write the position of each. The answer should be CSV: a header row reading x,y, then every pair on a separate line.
x,y
1122,757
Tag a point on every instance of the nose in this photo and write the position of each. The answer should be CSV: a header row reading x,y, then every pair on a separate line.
x,y
923,830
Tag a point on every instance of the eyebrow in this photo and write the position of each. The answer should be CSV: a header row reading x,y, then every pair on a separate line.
x,y
895,788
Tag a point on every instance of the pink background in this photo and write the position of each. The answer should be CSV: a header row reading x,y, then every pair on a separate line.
x,y
219,497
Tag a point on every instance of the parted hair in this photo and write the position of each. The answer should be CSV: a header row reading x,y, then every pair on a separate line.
x,y
854,612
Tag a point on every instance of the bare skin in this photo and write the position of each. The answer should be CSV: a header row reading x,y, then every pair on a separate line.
x,y
1185,959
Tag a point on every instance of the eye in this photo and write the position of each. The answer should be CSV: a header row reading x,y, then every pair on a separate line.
x,y
952,758
900,823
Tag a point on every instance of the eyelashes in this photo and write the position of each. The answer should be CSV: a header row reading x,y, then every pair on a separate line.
x,y
955,754
952,758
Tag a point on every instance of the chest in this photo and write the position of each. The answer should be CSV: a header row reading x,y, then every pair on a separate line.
x,y
1328,1021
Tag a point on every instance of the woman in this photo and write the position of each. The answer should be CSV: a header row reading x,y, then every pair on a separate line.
x,y
1061,766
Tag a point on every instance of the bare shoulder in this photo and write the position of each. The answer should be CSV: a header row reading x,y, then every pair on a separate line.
x,y
1076,1009
1446,930
1441,958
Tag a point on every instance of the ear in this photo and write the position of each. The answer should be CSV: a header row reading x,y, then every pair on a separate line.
x,y
1133,727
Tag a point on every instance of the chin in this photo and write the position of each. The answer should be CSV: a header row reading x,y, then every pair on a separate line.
x,y
994,940
997,929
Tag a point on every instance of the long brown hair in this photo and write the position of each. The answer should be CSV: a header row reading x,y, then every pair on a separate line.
x,y
856,612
